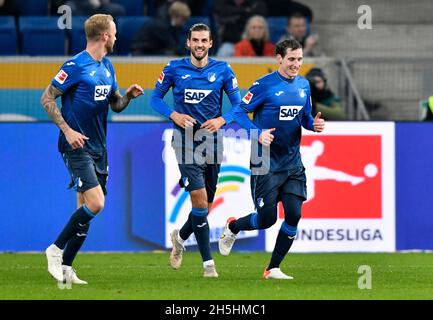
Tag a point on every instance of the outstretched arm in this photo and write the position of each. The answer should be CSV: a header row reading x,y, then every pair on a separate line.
x,y
118,103
48,101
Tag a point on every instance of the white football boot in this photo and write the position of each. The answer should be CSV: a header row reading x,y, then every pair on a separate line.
x,y
227,239
54,258
276,273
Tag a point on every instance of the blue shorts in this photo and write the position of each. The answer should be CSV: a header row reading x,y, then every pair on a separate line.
x,y
195,177
86,170
268,189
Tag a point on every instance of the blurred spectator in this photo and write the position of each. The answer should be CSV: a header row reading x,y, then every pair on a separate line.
x,y
163,35
231,17
8,8
286,8
323,99
91,7
428,105
197,7
297,28
255,41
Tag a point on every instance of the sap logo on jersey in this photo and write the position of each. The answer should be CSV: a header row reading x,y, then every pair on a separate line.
x,y
195,96
101,92
289,112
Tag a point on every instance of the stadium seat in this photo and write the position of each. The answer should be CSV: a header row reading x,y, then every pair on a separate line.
x,y
277,27
77,36
132,7
32,7
127,27
41,36
8,36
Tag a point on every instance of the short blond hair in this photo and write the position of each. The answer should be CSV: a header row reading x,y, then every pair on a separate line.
x,y
179,9
97,24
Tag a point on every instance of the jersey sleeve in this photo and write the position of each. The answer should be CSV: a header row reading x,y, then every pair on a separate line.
x,y
307,118
165,80
251,101
67,77
230,81
254,98
163,84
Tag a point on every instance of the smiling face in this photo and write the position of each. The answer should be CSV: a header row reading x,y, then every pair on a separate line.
x,y
199,44
290,63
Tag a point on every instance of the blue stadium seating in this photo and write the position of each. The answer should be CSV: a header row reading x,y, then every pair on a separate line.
x,y
41,36
132,7
77,36
127,27
8,36
277,27
32,7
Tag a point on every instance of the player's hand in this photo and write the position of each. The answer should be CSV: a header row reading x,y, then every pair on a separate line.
x,y
75,139
319,123
267,137
182,120
134,91
212,125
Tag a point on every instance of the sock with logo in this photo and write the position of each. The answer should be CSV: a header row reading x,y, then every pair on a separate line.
x,y
186,229
285,238
200,227
292,210
74,244
248,222
80,218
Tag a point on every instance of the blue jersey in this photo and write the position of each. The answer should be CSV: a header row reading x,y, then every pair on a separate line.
x,y
86,85
198,91
283,104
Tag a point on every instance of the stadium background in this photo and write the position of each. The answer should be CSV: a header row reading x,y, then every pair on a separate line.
x,y
382,74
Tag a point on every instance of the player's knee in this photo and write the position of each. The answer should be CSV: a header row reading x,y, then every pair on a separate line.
x,y
96,205
267,218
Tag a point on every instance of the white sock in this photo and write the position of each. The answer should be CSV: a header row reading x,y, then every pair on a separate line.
x,y
208,263
67,268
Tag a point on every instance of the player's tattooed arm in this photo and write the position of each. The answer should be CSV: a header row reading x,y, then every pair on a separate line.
x,y
48,101
118,102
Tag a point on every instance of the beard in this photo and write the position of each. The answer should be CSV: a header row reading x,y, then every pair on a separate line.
x,y
109,48
199,58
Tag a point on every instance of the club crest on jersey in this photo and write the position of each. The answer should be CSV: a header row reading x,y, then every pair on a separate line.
x,y
195,96
211,76
161,77
61,76
289,112
247,98
107,73
301,93
101,92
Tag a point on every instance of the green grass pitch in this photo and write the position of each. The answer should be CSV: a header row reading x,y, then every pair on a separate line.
x,y
148,276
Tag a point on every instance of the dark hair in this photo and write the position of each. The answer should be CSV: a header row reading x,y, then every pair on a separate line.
x,y
283,45
199,27
295,15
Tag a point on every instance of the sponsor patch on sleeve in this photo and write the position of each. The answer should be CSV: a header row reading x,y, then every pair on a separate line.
x,y
161,77
234,83
247,98
61,76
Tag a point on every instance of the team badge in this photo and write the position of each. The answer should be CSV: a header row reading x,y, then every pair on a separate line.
x,y
211,76
301,93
